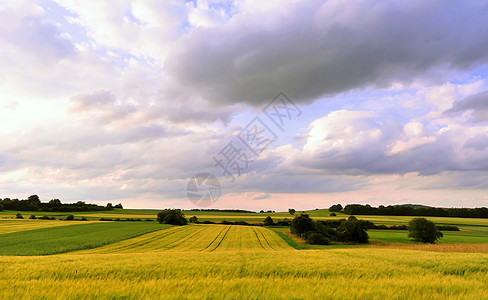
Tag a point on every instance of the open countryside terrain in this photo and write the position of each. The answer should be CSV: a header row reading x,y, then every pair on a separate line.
x,y
108,260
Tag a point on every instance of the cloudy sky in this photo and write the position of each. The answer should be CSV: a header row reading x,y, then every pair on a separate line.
x,y
124,101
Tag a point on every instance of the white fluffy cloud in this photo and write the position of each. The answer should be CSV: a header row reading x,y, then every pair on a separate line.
x,y
128,99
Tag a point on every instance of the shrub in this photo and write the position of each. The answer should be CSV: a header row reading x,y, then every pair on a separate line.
x,y
291,211
44,218
83,219
70,218
193,219
32,217
315,238
333,214
301,224
19,216
335,208
172,216
268,221
423,230
353,231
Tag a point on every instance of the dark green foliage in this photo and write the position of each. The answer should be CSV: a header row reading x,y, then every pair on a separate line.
x,y
284,222
19,216
172,216
353,230
447,228
315,238
268,221
335,208
411,210
83,218
291,211
32,217
322,232
300,224
193,219
33,203
70,218
333,214
229,222
44,218
423,230
119,206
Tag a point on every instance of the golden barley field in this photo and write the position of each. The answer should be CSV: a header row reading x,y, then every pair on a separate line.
x,y
241,262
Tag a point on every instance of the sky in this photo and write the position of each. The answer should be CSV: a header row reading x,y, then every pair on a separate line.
x,y
285,104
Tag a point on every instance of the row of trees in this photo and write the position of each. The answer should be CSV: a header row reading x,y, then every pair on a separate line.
x,y
33,203
405,210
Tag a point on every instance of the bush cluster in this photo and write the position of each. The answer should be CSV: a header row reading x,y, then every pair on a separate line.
x,y
322,232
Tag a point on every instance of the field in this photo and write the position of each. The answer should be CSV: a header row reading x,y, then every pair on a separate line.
x,y
135,260
61,239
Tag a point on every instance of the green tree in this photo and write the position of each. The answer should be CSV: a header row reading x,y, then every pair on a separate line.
x,y
423,230
268,221
291,211
193,219
353,230
335,208
172,216
19,216
70,218
300,224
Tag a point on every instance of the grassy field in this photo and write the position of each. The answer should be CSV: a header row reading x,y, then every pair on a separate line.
x,y
61,239
136,260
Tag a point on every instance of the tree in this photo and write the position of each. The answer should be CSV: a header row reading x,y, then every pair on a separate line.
x,y
423,230
109,206
335,208
291,211
300,224
19,216
70,218
55,203
268,221
119,206
172,216
32,217
193,219
353,230
333,214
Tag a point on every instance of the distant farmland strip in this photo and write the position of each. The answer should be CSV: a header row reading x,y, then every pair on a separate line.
x,y
199,238
9,226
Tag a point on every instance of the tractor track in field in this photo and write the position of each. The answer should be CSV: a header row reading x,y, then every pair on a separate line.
x,y
198,237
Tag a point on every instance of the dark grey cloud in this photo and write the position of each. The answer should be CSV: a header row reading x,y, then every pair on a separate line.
x,y
316,48
476,105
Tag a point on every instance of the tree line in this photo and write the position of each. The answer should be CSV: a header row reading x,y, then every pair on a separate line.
x,y
33,203
405,210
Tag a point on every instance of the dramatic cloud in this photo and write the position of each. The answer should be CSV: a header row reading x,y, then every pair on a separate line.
x,y
314,48
124,101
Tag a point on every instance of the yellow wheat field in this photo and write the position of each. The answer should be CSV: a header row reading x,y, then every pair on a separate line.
x,y
8,226
248,274
199,238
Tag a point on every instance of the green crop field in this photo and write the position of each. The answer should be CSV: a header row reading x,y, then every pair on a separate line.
x,y
61,239
42,259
